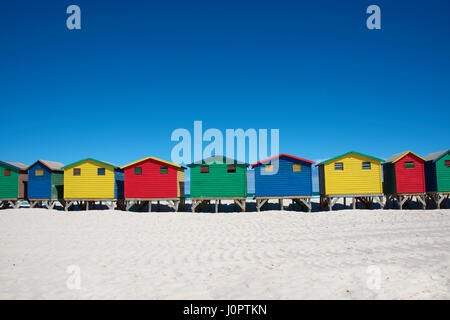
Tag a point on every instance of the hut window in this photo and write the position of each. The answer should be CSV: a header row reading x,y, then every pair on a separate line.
x,y
138,171
204,169
296,167
39,173
409,164
366,165
163,170
339,166
77,171
101,171
7,172
268,167
231,168
447,163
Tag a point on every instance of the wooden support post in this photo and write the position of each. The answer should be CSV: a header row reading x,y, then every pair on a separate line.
x,y
280,203
331,202
240,204
354,203
260,203
345,202
15,203
216,203
381,201
67,205
194,205
421,199
439,200
50,204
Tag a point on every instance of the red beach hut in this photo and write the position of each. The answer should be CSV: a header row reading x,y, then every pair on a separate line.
x,y
404,177
151,179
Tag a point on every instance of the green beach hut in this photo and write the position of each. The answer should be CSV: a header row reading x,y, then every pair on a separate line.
x,y
13,183
218,178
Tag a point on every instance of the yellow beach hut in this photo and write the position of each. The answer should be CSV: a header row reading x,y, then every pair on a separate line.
x,y
351,175
89,180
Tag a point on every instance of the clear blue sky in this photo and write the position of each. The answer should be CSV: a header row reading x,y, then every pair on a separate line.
x,y
116,89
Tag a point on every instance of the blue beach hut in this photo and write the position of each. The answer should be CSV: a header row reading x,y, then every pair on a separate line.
x,y
283,177
45,182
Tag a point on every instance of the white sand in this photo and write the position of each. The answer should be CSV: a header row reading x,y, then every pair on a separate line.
x,y
269,255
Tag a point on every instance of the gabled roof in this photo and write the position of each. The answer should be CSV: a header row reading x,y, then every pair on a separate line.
x,y
279,156
436,156
396,157
218,160
94,160
153,158
16,165
52,165
347,153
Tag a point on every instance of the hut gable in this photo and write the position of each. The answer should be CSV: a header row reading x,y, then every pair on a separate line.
x,y
218,177
293,177
352,173
151,177
92,179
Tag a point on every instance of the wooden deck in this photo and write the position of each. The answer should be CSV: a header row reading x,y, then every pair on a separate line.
x,y
302,201
145,204
405,199
200,203
439,199
329,200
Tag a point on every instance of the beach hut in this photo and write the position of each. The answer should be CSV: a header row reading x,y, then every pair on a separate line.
x,y
152,179
350,175
89,180
217,178
437,177
404,178
13,183
283,177
45,183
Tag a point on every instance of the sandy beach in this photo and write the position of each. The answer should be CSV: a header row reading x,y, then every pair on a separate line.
x,y
345,254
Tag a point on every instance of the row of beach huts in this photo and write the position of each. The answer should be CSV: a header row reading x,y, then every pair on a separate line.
x,y
360,178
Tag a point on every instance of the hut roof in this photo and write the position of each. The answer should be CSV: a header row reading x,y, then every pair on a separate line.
x,y
153,158
437,155
16,165
396,157
218,160
282,155
347,153
91,159
52,165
